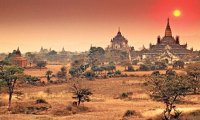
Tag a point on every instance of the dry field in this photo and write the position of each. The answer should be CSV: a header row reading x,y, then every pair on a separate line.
x,y
104,105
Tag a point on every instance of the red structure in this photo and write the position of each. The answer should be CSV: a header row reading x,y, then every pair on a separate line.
x,y
19,60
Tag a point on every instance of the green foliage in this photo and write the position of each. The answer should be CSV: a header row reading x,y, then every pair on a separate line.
x,y
31,79
10,74
4,62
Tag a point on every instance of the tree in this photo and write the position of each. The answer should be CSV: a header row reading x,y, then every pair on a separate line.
x,y
96,55
30,56
77,68
62,74
168,89
10,74
81,94
193,70
178,64
89,75
49,75
41,64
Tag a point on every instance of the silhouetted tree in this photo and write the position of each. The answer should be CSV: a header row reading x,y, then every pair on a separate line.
x,y
81,94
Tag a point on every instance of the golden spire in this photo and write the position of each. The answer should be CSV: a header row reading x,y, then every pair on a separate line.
x,y
168,32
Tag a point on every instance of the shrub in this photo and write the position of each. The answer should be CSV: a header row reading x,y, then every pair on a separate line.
x,y
170,72
129,113
118,72
124,95
38,101
156,73
130,68
89,75
41,64
144,67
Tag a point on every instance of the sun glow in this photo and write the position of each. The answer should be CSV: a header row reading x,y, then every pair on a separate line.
x,y
177,13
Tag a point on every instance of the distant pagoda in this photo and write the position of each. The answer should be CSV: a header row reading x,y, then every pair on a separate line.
x,y
168,48
119,42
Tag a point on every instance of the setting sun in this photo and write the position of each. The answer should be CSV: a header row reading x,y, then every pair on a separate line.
x,y
177,13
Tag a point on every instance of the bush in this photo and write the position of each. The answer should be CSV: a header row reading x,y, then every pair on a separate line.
x,y
31,79
38,101
155,73
130,68
125,95
129,113
30,108
118,72
144,67
170,72
89,75
41,64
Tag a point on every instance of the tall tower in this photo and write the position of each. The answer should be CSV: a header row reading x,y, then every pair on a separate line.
x,y
168,31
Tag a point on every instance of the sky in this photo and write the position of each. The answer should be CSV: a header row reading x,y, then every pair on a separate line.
x,y
78,24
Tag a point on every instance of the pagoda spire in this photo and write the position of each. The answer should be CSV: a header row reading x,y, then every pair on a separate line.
x,y
119,32
63,49
168,31
18,48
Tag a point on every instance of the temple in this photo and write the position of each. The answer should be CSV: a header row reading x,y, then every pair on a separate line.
x,y
119,42
17,59
167,48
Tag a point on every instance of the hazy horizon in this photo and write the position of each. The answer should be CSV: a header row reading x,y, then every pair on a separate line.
x,y
77,24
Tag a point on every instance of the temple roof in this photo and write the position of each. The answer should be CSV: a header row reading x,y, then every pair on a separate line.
x,y
119,38
168,31
18,52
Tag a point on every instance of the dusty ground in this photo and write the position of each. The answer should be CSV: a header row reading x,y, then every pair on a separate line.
x,y
104,105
